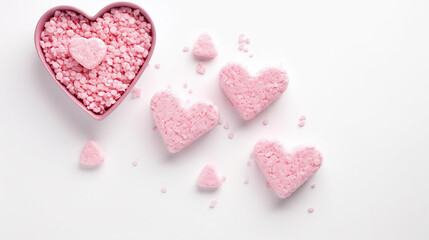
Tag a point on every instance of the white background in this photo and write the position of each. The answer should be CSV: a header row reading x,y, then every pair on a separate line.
x,y
358,71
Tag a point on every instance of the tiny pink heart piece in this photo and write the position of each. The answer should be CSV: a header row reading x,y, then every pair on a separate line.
x,y
88,52
204,47
91,154
209,177
178,126
250,95
284,171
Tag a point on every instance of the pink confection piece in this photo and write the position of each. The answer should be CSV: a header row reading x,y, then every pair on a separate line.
x,y
157,66
246,181
201,68
301,123
310,209
185,85
96,59
204,47
178,126
190,91
163,190
286,172
134,164
209,178
220,121
88,52
213,203
185,49
265,122
302,118
313,185
223,179
136,93
250,55
230,135
91,154
226,126
250,95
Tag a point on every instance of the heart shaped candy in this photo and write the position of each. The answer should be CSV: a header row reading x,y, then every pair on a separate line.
x,y
250,95
178,126
204,47
209,177
286,172
96,86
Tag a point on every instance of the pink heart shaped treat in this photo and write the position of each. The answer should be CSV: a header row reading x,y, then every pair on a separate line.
x,y
96,60
209,177
180,126
286,172
91,154
250,95
204,47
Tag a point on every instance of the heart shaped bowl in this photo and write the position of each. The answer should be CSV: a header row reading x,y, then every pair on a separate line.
x,y
50,13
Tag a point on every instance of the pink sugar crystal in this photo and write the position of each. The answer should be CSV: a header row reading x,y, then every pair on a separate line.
x,y
265,122
204,47
284,171
91,154
213,203
209,178
301,123
302,118
250,55
230,135
246,181
190,91
201,68
313,185
226,126
250,95
157,66
310,209
136,92
185,49
134,163
185,85
73,47
163,190
178,126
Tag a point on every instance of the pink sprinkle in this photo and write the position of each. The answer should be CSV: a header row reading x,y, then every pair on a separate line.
x,y
265,122
190,91
302,118
134,163
91,154
213,203
163,190
310,209
209,177
267,185
230,135
313,185
185,49
201,68
220,121
185,85
301,123
226,126
246,181
157,66
250,55
136,93
249,163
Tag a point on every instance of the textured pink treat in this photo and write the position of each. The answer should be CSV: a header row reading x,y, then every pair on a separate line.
x,y
313,185
91,154
265,122
134,163
310,209
286,172
157,66
185,49
209,178
204,47
179,126
226,126
301,123
201,68
163,190
88,52
250,95
230,135
213,203
96,60
137,92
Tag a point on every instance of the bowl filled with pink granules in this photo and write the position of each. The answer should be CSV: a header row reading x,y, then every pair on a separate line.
x,y
97,59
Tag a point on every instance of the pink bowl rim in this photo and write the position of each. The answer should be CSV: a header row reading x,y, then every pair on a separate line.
x,y
48,14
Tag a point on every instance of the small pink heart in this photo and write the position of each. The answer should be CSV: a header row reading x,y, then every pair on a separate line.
x,y
88,52
204,47
120,68
209,177
91,154
284,171
178,126
250,95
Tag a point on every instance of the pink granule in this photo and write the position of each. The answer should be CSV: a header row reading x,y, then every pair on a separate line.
x,y
250,55
243,41
226,126
302,118
246,181
185,49
136,92
213,203
157,66
265,122
178,126
185,86
201,68
220,121
92,154
286,172
302,121
209,177
163,190
127,38
230,135
134,163
204,47
310,209
250,95
190,91
313,185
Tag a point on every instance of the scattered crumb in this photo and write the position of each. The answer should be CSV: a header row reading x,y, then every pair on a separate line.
x,y
157,66
201,68
301,123
134,163
226,126
185,85
246,181
213,203
310,209
190,91
302,118
249,163
230,135
265,122
250,55
136,93
313,185
242,42
163,190
220,121
185,49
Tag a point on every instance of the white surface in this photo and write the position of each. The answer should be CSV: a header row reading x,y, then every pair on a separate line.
x,y
358,71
